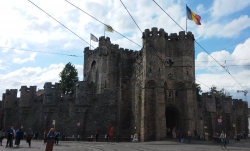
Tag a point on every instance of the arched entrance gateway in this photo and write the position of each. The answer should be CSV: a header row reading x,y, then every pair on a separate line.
x,y
172,118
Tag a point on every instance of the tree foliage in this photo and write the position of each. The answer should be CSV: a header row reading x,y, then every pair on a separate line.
x,y
198,92
218,93
69,76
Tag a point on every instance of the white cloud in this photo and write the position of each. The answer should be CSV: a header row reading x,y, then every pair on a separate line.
x,y
1,66
242,53
231,29
20,61
216,75
205,61
225,81
222,8
239,58
201,9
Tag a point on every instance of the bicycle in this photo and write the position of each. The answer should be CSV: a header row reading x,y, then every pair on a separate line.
x,y
224,141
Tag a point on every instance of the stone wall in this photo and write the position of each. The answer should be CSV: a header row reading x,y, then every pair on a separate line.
x,y
232,112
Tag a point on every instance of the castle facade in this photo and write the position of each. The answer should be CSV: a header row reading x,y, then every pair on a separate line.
x,y
143,92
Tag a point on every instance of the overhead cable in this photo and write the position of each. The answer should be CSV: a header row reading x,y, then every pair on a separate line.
x,y
131,16
102,22
59,22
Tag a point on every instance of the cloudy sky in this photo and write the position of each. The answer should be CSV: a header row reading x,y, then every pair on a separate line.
x,y
34,47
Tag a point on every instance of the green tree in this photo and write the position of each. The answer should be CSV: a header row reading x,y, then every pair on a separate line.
x,y
198,92
218,93
69,76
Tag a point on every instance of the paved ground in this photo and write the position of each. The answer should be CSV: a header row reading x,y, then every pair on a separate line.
x,y
37,145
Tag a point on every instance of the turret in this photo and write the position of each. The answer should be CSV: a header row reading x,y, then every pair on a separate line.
x,y
27,96
10,98
51,93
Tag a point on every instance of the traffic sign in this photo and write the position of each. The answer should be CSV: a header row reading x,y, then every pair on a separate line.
x,y
219,120
78,124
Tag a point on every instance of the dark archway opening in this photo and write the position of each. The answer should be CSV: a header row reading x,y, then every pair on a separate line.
x,y
172,118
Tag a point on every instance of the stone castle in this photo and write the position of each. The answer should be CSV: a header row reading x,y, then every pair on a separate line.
x,y
143,92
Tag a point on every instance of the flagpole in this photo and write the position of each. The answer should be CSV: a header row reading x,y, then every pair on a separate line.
x,y
104,30
90,43
186,18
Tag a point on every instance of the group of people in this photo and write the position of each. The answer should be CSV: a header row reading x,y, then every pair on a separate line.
x,y
179,134
15,136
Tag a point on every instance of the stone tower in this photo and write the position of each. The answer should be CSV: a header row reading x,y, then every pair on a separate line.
x,y
165,84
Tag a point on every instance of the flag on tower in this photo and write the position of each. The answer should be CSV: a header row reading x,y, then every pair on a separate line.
x,y
109,28
192,16
92,37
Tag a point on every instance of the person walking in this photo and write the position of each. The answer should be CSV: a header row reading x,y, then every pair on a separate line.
x,y
96,137
174,133
25,135
29,137
189,136
45,137
57,137
50,140
195,135
107,137
2,135
223,138
10,136
182,137
36,135
18,137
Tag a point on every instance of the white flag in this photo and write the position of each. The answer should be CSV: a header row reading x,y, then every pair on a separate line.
x,y
92,37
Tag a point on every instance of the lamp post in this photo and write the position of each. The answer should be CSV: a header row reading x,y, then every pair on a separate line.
x,y
205,127
54,123
235,133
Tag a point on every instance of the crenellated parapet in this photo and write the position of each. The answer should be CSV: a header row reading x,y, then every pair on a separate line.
x,y
209,101
27,96
240,106
155,34
52,92
173,46
10,98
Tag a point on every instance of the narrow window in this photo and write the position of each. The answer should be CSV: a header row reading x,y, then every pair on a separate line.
x,y
170,94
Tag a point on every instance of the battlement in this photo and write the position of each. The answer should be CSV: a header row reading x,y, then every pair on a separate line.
x,y
105,48
27,96
10,98
208,95
237,100
49,85
11,91
154,33
26,89
126,51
